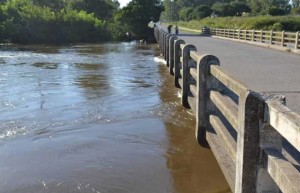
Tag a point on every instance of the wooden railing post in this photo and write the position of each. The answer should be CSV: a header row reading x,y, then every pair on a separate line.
x,y
271,37
261,35
163,43
239,37
165,46
161,40
186,73
177,65
233,33
253,33
282,38
168,49
203,87
246,36
250,116
171,53
297,40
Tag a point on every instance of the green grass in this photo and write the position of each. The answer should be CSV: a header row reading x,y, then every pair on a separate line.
x,y
278,23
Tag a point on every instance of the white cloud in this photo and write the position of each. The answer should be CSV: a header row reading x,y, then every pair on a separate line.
x,y
123,2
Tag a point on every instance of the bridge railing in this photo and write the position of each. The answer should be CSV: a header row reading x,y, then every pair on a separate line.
x,y
243,129
282,38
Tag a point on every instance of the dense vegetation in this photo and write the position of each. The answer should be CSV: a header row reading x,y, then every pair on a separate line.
x,y
68,21
278,23
186,10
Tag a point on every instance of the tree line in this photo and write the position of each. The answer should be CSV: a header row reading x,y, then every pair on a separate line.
x,y
69,21
186,10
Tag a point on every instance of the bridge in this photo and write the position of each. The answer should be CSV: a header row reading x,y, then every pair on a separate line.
x,y
246,103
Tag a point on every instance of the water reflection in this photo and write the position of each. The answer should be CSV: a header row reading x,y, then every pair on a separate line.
x,y
90,66
95,85
90,49
194,169
46,65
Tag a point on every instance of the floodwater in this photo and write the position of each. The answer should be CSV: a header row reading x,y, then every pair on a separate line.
x,y
97,119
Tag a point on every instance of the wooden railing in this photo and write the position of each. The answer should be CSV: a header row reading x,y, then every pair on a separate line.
x,y
282,38
244,130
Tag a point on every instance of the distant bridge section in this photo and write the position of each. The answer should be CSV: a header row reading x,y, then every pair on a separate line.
x,y
281,40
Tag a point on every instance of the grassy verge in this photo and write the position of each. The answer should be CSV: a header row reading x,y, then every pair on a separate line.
x,y
287,23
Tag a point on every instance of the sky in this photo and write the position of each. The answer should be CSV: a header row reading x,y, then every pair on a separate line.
x,y
123,2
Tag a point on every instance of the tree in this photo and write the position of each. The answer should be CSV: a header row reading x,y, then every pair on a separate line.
x,y
194,3
261,7
102,9
223,9
296,3
201,12
171,10
22,21
295,11
185,13
239,7
137,14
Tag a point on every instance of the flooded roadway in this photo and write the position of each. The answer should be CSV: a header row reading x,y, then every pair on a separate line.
x,y
97,118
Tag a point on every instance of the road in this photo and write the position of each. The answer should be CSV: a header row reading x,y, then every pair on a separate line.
x,y
263,70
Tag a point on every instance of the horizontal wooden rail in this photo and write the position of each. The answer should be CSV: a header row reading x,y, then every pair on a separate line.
x,y
285,121
227,80
227,166
243,129
227,107
223,133
282,171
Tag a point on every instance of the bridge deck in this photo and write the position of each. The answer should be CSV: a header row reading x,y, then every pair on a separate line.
x,y
261,69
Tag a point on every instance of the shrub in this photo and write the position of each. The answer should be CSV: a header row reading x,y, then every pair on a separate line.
x,y
295,11
277,26
287,23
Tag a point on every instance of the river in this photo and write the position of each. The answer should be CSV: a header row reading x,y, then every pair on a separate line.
x,y
97,119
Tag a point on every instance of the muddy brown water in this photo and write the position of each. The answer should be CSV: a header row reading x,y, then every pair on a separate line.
x,y
97,118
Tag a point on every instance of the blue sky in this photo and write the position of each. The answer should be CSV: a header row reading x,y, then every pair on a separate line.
x,y
123,2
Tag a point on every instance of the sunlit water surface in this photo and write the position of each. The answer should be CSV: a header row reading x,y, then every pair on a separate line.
x,y
96,118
